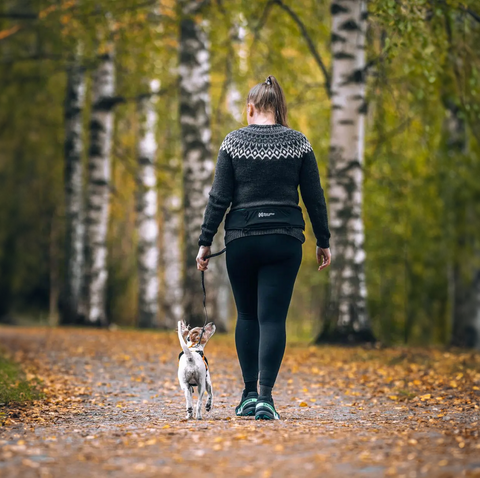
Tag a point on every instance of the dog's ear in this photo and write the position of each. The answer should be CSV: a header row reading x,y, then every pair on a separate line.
x,y
209,331
184,330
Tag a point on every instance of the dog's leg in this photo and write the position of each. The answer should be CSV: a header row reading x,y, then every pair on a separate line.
x,y
189,400
209,404
201,391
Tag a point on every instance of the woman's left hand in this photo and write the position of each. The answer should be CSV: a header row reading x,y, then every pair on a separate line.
x,y
201,262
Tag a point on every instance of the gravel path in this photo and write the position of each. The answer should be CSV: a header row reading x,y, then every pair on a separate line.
x,y
114,408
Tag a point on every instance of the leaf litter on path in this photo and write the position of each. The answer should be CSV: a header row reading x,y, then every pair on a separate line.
x,y
113,408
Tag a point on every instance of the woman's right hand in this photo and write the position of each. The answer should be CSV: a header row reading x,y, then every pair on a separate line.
x,y
324,257
202,264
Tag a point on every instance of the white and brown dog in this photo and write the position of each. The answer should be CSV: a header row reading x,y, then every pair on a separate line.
x,y
193,366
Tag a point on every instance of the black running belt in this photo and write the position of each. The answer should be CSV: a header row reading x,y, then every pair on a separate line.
x,y
266,217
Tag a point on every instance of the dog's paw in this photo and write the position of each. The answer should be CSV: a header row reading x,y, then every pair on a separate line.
x,y
189,413
208,406
199,417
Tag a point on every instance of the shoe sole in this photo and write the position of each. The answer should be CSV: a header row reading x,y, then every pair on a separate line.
x,y
248,410
264,413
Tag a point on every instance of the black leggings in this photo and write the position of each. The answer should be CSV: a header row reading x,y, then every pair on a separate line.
x,y
262,271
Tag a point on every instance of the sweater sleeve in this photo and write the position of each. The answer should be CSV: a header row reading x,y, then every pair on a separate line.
x,y
220,198
314,199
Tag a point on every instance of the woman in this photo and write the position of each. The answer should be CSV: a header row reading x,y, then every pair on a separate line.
x,y
258,171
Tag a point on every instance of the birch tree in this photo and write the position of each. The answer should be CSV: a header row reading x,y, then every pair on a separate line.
x,y
98,188
147,225
74,210
219,291
347,317
172,260
465,273
194,72
461,216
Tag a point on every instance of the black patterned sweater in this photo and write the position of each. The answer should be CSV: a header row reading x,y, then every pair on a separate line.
x,y
263,165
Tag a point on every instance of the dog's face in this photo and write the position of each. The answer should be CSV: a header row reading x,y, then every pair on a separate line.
x,y
192,336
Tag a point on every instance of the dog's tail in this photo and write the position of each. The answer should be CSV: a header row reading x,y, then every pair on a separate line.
x,y
186,350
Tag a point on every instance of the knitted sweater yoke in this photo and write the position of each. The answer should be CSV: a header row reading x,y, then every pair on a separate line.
x,y
263,165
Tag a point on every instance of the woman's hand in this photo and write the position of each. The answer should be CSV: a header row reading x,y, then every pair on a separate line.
x,y
201,262
324,257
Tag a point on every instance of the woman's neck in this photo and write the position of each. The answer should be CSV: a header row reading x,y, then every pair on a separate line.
x,y
263,118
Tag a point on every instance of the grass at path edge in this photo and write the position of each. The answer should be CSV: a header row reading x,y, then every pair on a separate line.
x,y
14,386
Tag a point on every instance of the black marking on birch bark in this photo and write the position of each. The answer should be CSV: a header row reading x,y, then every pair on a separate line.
x,y
364,15
336,8
144,160
350,25
70,143
352,164
337,107
107,103
105,57
363,109
357,76
72,112
147,271
92,207
341,55
96,125
346,122
99,182
336,38
94,150
98,245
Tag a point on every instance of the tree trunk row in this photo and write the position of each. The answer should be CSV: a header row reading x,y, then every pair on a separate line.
x,y
346,318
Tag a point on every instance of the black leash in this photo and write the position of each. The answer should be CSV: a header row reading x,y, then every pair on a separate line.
x,y
205,293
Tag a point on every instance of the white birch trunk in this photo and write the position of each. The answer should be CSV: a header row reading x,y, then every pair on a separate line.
x,y
474,323
218,286
147,225
234,97
465,277
98,188
53,317
74,211
466,304
194,72
172,261
347,313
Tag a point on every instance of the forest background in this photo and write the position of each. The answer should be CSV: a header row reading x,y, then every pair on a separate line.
x,y
142,78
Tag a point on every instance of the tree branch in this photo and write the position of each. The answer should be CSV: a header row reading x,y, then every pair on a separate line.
x,y
19,16
75,8
473,14
262,20
309,41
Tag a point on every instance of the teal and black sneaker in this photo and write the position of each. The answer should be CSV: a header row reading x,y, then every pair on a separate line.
x,y
246,408
265,409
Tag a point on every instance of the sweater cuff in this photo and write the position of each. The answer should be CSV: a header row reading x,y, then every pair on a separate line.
x,y
203,242
323,242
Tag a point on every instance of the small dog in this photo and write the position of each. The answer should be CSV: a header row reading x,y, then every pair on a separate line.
x,y
193,366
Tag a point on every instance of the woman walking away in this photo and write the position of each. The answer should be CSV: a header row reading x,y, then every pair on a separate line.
x,y
258,171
